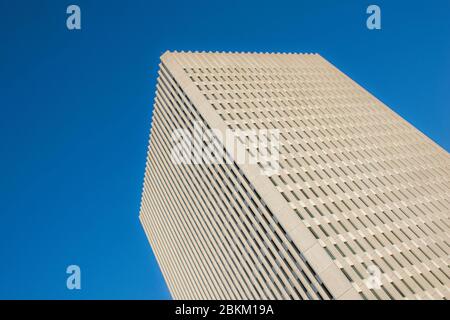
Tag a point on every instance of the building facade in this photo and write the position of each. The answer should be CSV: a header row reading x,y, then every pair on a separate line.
x,y
355,205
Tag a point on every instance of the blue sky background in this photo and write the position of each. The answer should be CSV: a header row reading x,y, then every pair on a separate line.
x,y
76,110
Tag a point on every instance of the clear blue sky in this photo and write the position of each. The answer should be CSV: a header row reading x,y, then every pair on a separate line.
x,y
76,110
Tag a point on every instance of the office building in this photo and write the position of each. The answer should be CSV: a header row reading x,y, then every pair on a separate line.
x,y
353,203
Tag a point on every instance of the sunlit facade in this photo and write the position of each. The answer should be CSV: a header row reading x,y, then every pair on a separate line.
x,y
358,208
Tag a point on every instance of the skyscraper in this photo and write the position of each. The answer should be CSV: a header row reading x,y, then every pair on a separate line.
x,y
353,202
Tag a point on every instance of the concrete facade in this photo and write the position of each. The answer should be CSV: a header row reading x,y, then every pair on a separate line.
x,y
360,196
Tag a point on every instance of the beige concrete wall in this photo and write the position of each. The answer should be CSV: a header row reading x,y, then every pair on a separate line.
x,y
358,187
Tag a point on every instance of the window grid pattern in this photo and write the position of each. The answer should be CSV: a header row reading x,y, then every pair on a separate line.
x,y
371,188
213,235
